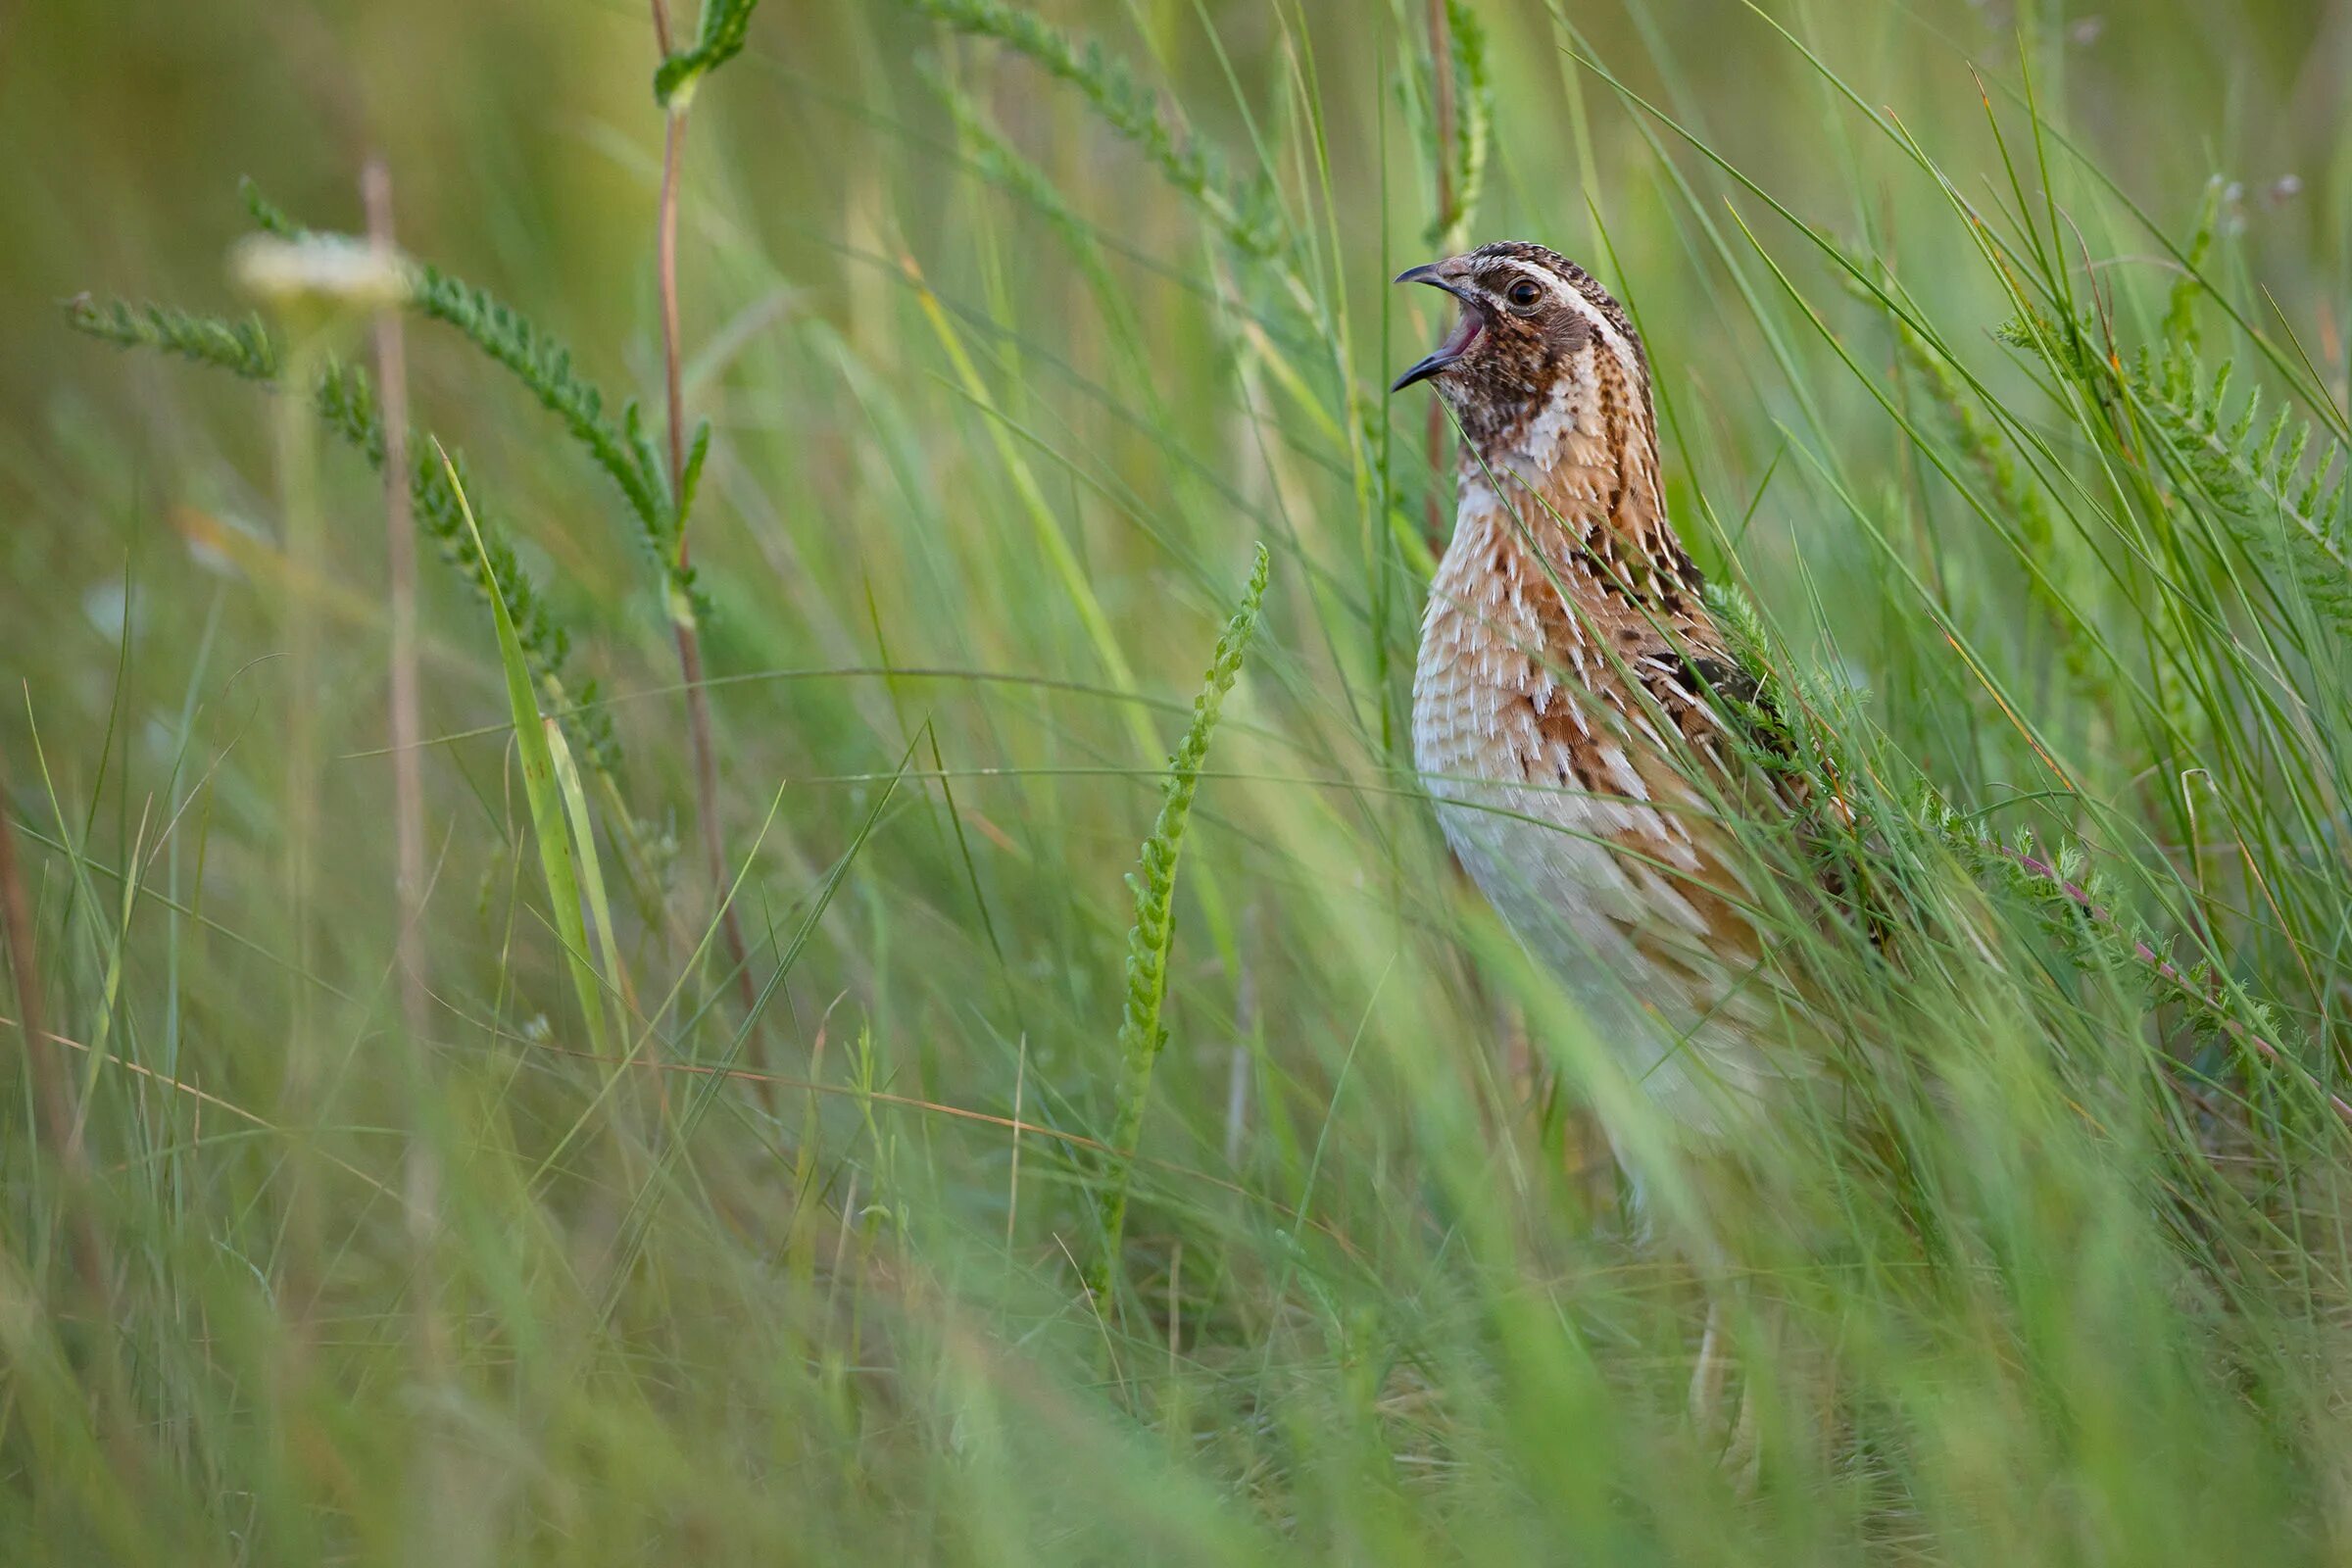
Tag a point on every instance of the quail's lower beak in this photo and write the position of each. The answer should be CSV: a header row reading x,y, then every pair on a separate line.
x,y
1457,342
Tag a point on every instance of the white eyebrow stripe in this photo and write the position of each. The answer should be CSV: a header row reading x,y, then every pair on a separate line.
x,y
1584,306
1635,372
1601,325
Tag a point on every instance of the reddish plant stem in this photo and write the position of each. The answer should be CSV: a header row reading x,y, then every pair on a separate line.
x,y
436,1458
400,576
673,146
2157,963
682,617
421,1174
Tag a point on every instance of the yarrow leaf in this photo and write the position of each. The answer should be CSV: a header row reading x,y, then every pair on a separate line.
x,y
718,40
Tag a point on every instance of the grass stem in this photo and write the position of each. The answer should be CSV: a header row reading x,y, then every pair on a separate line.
x,y
687,633
62,1131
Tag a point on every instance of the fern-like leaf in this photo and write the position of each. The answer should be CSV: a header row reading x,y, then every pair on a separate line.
x,y
244,349
543,365
718,40
691,478
2261,492
346,402
267,215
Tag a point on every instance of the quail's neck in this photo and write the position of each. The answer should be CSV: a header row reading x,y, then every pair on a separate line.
x,y
1576,477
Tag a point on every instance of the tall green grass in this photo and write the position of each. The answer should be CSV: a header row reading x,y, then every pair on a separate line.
x,y
1014,324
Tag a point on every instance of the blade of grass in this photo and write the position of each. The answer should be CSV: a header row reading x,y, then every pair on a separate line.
x,y
557,861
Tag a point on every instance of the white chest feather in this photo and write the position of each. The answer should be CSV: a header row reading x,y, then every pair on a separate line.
x,y
1559,827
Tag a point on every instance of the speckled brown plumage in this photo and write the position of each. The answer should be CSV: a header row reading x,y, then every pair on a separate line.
x,y
1565,703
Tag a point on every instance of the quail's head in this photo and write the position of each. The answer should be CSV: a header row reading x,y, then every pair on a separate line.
x,y
1534,327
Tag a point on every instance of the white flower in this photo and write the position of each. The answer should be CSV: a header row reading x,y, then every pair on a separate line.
x,y
324,267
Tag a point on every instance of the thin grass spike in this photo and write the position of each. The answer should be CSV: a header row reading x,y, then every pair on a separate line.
x,y
1191,166
1142,1034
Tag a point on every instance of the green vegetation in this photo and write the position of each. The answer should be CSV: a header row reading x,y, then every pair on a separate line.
x,y
930,1181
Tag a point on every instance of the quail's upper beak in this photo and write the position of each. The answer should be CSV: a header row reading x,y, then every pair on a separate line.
x,y
1466,331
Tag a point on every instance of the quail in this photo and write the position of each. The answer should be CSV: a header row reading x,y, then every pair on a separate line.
x,y
1568,701
1576,716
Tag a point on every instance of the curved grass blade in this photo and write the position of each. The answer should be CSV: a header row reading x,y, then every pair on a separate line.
x,y
592,872
556,859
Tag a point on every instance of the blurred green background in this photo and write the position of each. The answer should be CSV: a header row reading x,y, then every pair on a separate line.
x,y
998,416
524,159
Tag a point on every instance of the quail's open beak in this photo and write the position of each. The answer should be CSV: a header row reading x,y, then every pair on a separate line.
x,y
1457,342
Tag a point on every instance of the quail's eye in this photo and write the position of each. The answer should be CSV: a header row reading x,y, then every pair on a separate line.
x,y
1524,294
